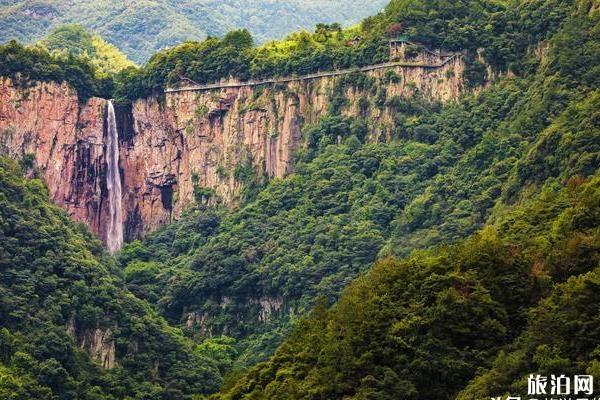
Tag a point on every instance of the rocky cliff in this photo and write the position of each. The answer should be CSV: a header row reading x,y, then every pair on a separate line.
x,y
174,145
66,139
98,343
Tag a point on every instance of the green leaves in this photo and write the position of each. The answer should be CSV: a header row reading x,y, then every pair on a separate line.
x,y
62,304
27,64
446,312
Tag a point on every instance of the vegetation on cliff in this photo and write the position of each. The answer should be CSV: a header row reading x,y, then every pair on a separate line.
x,y
141,28
506,32
519,297
352,201
75,40
504,300
61,295
26,65
481,218
68,54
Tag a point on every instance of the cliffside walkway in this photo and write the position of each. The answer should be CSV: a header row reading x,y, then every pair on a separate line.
x,y
317,75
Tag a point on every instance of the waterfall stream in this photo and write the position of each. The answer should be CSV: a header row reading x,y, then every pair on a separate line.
x,y
114,235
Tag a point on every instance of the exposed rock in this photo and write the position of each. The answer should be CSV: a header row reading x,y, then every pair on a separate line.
x,y
67,141
199,321
187,138
98,343
204,324
268,306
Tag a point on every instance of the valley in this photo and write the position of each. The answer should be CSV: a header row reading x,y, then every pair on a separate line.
x,y
339,214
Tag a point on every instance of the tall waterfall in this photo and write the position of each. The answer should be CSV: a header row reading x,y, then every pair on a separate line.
x,y
114,236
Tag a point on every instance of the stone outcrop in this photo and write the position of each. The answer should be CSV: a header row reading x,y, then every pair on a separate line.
x,y
265,309
199,321
66,138
98,343
268,307
172,145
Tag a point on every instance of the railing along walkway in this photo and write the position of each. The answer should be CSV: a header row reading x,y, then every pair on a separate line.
x,y
317,75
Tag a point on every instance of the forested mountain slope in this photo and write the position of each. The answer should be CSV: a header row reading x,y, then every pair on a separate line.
x,y
75,40
519,297
498,35
69,329
140,28
444,174
507,299
463,244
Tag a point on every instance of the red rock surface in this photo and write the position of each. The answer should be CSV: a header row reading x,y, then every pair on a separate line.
x,y
185,137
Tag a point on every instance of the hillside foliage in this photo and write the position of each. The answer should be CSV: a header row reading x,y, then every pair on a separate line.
x,y
56,275
141,28
447,171
451,312
506,32
27,65
75,40
68,54
466,247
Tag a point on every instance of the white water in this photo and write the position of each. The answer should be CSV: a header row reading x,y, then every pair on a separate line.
x,y
114,235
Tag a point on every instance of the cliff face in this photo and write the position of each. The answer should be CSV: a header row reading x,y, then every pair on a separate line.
x,y
67,141
204,138
98,342
210,139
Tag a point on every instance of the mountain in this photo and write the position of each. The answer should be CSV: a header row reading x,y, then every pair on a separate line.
x,y
325,216
69,327
360,192
140,28
476,313
75,40
245,135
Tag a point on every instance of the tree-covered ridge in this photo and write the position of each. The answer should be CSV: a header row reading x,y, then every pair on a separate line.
x,y
26,65
141,28
511,302
74,39
506,31
57,279
68,54
508,34
446,172
519,297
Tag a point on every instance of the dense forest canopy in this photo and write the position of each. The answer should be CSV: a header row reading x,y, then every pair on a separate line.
x,y
452,311
506,32
141,28
54,275
75,40
447,171
27,65
466,247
